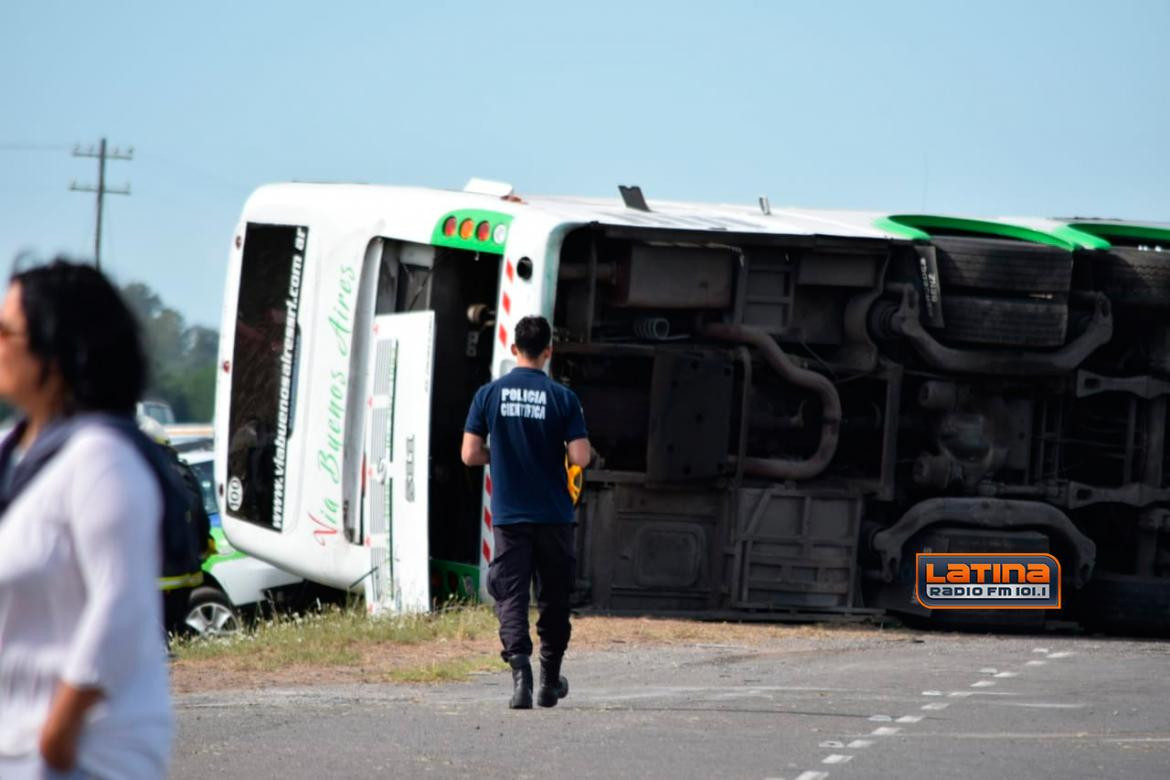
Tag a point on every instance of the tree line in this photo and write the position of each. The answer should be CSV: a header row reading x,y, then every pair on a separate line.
x,y
181,357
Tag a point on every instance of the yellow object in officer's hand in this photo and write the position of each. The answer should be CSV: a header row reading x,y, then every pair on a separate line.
x,y
576,480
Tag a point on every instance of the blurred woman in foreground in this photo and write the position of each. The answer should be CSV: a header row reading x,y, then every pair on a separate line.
x,y
83,671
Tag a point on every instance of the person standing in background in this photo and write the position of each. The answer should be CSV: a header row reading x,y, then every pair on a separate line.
x,y
84,690
531,420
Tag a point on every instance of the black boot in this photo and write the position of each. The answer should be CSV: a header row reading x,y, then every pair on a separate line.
x,y
553,687
521,682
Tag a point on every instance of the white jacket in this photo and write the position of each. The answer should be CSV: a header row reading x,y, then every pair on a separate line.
x,y
79,557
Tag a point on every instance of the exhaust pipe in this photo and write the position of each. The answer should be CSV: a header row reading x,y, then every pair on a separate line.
x,y
774,356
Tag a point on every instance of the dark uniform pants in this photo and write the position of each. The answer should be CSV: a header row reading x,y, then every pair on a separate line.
x,y
524,551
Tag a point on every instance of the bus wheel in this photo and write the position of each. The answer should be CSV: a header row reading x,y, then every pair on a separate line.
x,y
210,613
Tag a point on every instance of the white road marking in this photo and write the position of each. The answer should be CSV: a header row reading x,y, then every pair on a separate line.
x,y
837,758
859,743
1061,654
932,693
1008,674
1001,735
1035,663
1039,649
909,719
811,775
1040,705
983,684
885,731
880,718
938,705
960,694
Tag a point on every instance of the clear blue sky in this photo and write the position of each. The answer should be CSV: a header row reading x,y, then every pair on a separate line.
x,y
1043,108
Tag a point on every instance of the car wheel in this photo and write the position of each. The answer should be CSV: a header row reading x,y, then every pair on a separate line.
x,y
210,613
1006,322
1002,266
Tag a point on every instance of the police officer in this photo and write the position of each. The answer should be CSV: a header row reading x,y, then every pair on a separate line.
x,y
531,420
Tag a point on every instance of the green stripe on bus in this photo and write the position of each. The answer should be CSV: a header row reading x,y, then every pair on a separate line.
x,y
920,226
498,226
1105,231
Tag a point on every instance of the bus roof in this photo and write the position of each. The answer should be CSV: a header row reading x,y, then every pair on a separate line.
x,y
367,201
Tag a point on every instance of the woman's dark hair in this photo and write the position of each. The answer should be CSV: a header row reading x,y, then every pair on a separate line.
x,y
79,323
533,335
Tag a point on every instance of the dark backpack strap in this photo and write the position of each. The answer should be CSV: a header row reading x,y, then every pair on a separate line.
x,y
7,448
48,442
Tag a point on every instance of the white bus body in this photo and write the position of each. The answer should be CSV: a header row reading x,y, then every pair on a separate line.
x,y
319,363
788,404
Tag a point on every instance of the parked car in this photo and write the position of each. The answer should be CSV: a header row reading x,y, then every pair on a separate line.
x,y
233,583
159,411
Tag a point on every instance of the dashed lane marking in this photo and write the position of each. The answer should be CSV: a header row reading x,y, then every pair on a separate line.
x,y
937,705
1034,663
837,758
909,719
983,684
885,731
1007,674
859,743
811,775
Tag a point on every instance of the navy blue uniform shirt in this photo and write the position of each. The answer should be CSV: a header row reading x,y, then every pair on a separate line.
x,y
529,418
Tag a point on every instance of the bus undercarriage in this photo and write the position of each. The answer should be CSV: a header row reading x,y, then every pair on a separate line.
x,y
783,422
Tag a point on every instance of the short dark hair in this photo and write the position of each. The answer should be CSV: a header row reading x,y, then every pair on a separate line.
x,y
533,335
78,323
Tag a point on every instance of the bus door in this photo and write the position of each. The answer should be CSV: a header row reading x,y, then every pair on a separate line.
x,y
397,456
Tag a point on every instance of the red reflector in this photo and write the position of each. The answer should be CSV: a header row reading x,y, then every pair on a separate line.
x,y
449,226
503,336
483,231
466,227
487,519
487,485
487,552
508,269
507,304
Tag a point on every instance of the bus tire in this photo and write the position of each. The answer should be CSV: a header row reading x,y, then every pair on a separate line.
x,y
1002,265
1133,276
1004,322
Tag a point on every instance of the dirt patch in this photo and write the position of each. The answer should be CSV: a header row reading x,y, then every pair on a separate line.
x,y
381,662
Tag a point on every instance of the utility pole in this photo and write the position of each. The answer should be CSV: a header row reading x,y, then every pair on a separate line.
x,y
102,153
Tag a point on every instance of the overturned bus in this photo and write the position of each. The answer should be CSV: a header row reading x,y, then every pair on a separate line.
x,y
788,404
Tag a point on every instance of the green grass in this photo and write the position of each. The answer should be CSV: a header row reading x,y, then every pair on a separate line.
x,y
338,637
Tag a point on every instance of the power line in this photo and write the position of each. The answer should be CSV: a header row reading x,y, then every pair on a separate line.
x,y
102,153
18,147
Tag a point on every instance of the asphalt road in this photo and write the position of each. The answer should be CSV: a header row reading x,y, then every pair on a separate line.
x,y
926,706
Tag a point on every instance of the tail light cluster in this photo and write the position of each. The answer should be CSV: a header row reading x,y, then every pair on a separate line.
x,y
480,230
